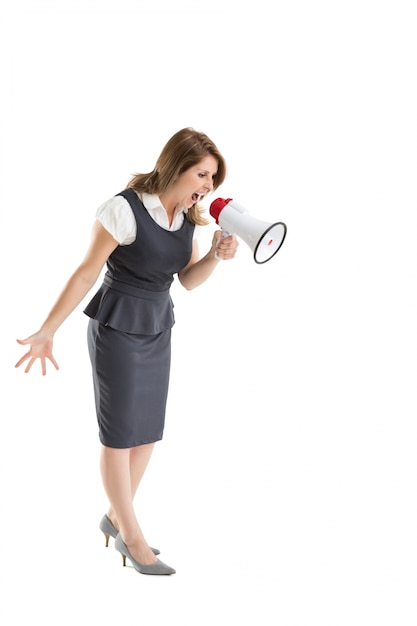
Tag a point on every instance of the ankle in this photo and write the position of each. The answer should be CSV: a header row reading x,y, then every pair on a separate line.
x,y
112,517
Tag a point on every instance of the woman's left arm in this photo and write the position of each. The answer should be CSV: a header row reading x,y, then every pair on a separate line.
x,y
198,270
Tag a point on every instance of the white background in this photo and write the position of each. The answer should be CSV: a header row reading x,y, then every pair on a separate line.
x,y
284,491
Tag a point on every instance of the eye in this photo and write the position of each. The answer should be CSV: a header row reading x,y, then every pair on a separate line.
x,y
201,174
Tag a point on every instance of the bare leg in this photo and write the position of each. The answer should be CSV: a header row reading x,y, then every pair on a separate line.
x,y
138,464
122,470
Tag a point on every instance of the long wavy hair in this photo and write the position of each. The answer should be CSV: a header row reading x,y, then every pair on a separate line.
x,y
184,150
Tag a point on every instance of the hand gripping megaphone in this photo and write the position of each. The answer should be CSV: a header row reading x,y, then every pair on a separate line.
x,y
263,238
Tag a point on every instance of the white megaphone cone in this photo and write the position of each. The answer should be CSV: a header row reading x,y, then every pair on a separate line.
x,y
263,238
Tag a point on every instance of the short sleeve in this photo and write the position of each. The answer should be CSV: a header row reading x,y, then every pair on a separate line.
x,y
116,216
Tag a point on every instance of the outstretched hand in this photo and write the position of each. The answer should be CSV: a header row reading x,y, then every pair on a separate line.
x,y
40,348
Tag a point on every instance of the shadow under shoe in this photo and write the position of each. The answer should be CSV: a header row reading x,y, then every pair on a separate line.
x,y
109,530
157,569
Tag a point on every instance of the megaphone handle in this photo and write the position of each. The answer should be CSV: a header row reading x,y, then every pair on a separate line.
x,y
224,234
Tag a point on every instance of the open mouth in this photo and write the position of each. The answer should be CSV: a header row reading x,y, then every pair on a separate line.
x,y
196,197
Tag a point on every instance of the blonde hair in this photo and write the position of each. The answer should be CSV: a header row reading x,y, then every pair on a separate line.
x,y
184,150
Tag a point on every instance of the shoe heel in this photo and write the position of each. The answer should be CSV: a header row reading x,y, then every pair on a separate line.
x,y
107,529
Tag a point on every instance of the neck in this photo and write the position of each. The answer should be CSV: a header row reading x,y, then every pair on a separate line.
x,y
170,205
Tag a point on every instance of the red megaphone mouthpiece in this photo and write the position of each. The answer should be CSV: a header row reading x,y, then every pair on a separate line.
x,y
217,206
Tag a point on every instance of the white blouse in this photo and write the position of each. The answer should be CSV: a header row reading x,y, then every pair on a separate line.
x,y
117,217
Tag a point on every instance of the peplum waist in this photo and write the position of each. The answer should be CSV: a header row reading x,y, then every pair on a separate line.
x,y
131,309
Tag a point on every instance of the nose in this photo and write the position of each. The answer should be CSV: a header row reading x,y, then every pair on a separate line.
x,y
209,185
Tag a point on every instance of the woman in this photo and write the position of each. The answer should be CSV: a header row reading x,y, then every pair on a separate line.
x,y
146,235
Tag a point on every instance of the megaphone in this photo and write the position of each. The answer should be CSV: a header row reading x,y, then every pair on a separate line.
x,y
263,238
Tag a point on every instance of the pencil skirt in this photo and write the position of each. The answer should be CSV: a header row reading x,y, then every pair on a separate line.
x,y
131,379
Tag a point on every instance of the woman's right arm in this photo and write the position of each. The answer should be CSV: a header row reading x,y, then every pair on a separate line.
x,y
82,280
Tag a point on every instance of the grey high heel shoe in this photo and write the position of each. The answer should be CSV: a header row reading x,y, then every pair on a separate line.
x,y
109,530
158,568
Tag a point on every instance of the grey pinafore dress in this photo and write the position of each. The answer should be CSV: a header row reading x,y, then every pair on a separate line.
x,y
129,333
